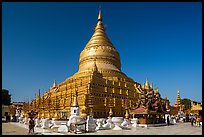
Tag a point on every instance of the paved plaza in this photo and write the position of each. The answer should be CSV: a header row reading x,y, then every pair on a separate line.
x,y
13,128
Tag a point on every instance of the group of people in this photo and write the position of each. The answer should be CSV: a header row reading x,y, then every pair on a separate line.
x,y
193,119
196,121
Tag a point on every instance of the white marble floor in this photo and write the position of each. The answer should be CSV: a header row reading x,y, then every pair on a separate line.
x,y
38,129
177,129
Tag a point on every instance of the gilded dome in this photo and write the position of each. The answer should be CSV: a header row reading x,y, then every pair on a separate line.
x,y
99,50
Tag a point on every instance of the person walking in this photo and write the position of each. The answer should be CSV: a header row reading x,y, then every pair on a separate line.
x,y
192,120
167,120
197,121
7,118
31,125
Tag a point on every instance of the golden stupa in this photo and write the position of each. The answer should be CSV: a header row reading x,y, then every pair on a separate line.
x,y
178,100
100,84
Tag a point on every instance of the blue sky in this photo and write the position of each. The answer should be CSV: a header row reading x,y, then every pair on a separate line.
x,y
162,42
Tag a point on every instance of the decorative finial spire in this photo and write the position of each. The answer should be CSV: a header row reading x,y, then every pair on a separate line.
x,y
143,86
151,85
75,103
39,93
126,114
178,99
99,14
54,84
156,90
147,84
95,67
99,24
178,94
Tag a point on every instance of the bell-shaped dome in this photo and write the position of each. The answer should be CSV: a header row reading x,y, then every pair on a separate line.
x,y
99,50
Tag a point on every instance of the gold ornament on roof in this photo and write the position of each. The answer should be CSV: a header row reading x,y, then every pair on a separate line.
x,y
75,102
54,84
146,84
99,16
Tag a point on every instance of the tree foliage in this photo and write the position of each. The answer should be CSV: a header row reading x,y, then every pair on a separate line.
x,y
186,102
6,97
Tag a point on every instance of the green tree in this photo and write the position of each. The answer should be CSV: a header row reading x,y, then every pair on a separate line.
x,y
186,102
6,97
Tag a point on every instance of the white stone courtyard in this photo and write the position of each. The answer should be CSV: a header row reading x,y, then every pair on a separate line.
x,y
15,128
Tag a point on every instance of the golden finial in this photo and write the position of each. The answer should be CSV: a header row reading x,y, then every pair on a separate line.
x,y
54,84
110,112
143,86
126,114
146,84
39,93
178,99
95,67
178,90
99,14
178,95
157,90
75,103
151,85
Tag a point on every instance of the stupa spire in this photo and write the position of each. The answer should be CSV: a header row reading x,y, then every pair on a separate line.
x,y
156,90
143,86
75,102
95,67
99,24
151,85
39,93
99,14
178,99
146,84
54,84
